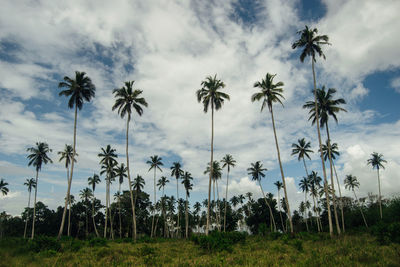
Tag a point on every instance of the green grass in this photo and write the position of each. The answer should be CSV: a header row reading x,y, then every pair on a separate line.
x,y
305,250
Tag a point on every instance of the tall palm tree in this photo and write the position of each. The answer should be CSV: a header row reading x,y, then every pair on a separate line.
x,y
327,106
350,183
127,100
3,187
210,95
257,173
271,93
217,174
162,182
376,161
30,183
108,164
155,163
121,174
66,155
92,181
138,185
279,186
304,185
235,201
176,172
78,90
314,185
85,195
301,149
186,181
311,44
37,158
228,162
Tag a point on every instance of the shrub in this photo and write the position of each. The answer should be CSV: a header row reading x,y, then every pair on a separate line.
x,y
42,243
262,229
98,242
218,241
387,232
297,244
274,235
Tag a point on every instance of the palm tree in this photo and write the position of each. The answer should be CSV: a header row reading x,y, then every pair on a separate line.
x,y
79,90
311,44
257,172
121,174
85,195
301,149
279,187
304,185
210,95
269,94
3,187
92,181
138,185
217,174
228,162
109,163
314,185
235,201
37,158
351,183
176,172
155,163
327,106
30,183
162,182
376,161
128,99
186,181
67,156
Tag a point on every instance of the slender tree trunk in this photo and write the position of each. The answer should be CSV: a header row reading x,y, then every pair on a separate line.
x,y
213,207
226,198
319,215
305,167
340,194
321,152
280,213
272,220
332,181
129,180
315,213
27,214
70,178
34,206
106,219
380,198
359,205
119,213
69,209
87,219
110,216
305,201
281,168
218,207
186,217
177,209
163,212
94,223
155,199
211,167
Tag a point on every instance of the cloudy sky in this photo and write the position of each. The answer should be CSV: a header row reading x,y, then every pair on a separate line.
x,y
168,48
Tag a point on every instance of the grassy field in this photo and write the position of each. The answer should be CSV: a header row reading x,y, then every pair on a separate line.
x,y
313,250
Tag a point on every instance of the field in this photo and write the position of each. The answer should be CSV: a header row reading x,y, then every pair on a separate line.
x,y
304,250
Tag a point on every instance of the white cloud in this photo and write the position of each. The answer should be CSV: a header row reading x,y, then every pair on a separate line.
x,y
395,83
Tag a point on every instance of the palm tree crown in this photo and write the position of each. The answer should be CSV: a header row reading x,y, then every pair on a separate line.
x,y
176,170
120,172
138,183
67,155
186,181
30,183
302,148
270,92
311,43
155,162
3,187
38,155
334,150
162,182
127,99
209,94
256,171
216,169
228,161
351,182
376,161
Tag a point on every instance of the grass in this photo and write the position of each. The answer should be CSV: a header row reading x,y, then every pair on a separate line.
x,y
304,250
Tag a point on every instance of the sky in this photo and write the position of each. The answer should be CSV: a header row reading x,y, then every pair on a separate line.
x,y
168,48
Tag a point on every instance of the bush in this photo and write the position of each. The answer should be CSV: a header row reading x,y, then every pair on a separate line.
x,y
98,242
73,245
387,232
274,235
262,229
218,241
42,243
297,244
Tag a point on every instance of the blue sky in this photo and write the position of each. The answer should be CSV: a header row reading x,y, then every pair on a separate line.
x,y
168,48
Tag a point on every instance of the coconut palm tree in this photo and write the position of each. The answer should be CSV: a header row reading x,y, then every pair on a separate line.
x,y
66,155
138,185
30,183
257,173
350,182
155,163
186,181
228,162
217,174
92,181
314,185
279,186
301,149
234,201
3,187
271,93
85,195
311,44
121,174
327,106
162,182
37,158
376,161
176,172
78,90
304,185
210,95
127,100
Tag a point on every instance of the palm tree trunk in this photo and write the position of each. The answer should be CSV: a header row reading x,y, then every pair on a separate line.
x,y
87,220
94,223
281,168
186,217
272,220
111,216
305,167
70,178
321,152
119,213
332,181
34,206
163,212
380,198
211,166
359,205
305,201
27,214
177,208
340,194
106,212
69,209
280,213
315,213
214,212
129,181
226,198
218,207
155,199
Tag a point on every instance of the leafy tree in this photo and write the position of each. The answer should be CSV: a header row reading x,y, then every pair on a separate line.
x,y
127,100
155,163
350,183
311,44
187,183
92,181
211,96
228,161
376,161
271,93
79,90
30,183
37,158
